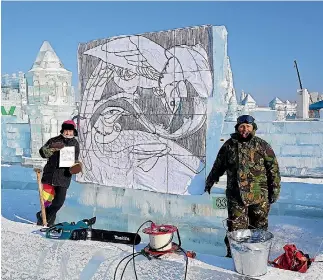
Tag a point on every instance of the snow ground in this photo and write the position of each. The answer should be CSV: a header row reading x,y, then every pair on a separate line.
x,y
27,255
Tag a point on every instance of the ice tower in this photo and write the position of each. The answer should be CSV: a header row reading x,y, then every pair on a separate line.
x,y
303,103
50,99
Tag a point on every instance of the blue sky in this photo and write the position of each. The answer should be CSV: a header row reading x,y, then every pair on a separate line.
x,y
264,37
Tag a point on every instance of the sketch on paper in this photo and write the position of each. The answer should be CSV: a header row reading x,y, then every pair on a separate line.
x,y
143,110
67,156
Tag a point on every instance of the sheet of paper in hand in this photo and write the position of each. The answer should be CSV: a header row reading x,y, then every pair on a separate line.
x,y
67,156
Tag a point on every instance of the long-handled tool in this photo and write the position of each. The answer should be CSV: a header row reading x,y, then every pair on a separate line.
x,y
41,199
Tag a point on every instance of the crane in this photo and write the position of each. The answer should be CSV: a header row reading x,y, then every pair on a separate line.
x,y
299,78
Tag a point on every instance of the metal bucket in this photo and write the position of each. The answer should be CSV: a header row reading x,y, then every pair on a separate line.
x,y
250,250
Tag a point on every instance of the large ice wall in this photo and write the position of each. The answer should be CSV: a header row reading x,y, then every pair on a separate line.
x,y
15,139
199,217
15,130
152,108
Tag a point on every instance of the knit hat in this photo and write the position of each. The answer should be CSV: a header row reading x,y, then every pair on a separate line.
x,y
246,119
69,125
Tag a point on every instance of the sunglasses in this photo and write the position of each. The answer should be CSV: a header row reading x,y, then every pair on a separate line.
x,y
245,119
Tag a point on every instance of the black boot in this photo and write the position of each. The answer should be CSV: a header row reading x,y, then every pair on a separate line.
x,y
228,255
39,219
227,244
51,220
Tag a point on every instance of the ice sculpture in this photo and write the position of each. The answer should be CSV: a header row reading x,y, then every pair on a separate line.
x,y
146,104
51,100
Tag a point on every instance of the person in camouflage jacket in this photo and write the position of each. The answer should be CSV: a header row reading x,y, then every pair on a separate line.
x,y
253,177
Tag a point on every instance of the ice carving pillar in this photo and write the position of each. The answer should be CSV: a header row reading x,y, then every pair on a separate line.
x,y
232,109
217,107
303,102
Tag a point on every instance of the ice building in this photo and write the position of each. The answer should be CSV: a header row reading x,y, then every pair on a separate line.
x,y
34,105
15,128
277,109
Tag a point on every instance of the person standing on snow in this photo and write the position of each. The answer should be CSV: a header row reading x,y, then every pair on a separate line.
x,y
55,179
253,177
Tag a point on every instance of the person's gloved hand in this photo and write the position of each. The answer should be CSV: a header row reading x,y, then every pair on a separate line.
x,y
76,168
56,146
208,187
272,199
273,194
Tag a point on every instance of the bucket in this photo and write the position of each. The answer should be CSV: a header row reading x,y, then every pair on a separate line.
x,y
250,250
160,237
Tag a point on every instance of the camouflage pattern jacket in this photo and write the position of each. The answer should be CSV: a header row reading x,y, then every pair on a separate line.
x,y
252,170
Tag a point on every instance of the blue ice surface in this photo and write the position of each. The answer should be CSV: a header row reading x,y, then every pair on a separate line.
x,y
200,225
14,134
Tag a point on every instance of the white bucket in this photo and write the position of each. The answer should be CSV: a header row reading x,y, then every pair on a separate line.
x,y
250,250
157,242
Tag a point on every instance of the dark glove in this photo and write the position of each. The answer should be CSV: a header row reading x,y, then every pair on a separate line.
x,y
271,199
57,145
208,188
76,168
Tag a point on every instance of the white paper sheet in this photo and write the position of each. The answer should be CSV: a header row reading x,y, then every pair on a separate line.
x,y
67,156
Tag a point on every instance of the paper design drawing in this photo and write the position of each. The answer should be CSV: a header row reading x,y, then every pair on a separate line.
x,y
67,157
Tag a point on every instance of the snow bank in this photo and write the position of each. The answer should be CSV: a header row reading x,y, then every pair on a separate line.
x,y
27,255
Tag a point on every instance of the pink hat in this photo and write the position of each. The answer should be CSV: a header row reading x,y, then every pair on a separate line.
x,y
69,125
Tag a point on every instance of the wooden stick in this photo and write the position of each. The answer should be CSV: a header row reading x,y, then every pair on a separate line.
x,y
41,199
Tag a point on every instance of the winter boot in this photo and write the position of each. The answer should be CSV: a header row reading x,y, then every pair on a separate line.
x,y
51,220
39,219
228,255
227,244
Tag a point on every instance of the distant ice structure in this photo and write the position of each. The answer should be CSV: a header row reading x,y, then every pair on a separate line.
x,y
303,103
278,110
33,107
230,91
249,101
232,113
15,131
